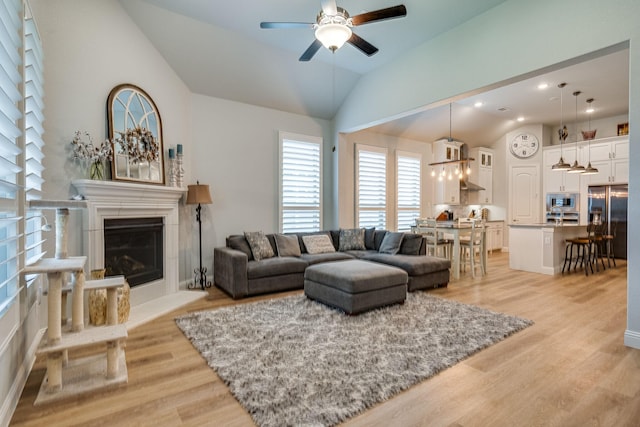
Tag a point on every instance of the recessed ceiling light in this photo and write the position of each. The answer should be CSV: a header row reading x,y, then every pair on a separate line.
x,y
590,110
520,119
478,104
543,86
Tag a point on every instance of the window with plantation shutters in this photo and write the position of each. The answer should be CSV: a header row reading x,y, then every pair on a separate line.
x,y
34,131
371,186
408,191
300,183
11,158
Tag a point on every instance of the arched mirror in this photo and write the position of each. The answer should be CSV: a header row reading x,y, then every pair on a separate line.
x,y
135,129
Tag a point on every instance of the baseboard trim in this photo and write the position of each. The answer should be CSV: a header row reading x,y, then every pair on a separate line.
x,y
632,339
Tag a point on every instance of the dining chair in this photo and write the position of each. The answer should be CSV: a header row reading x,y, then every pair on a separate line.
x,y
472,248
437,244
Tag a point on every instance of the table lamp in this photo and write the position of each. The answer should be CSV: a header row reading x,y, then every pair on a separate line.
x,y
199,194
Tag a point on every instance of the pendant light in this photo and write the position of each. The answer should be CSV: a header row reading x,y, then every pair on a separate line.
x,y
576,168
590,170
562,134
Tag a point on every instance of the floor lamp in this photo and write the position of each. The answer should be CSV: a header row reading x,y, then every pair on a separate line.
x,y
199,194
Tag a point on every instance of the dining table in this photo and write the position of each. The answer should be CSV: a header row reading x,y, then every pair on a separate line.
x,y
453,230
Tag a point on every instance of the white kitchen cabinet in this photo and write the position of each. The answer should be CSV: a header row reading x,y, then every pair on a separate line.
x,y
481,174
447,191
495,233
611,158
560,181
445,150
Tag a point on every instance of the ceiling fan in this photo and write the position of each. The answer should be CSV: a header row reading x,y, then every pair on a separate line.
x,y
333,27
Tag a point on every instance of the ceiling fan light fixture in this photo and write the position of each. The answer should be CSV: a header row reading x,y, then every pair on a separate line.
x,y
332,35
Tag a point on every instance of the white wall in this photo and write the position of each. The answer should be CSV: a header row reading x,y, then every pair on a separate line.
x,y
501,49
89,48
235,151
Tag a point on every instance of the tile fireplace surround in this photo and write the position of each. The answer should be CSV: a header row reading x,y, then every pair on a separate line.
x,y
113,199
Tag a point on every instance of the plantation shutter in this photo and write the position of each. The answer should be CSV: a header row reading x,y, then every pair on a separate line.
x,y
300,183
10,152
408,193
34,130
371,167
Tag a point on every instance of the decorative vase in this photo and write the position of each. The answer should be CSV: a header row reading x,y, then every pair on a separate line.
x,y
96,170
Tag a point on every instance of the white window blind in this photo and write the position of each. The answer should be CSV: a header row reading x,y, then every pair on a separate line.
x,y
34,130
408,192
371,186
300,183
10,153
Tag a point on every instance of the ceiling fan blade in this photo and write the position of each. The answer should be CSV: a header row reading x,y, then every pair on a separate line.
x,y
286,25
366,47
311,50
329,7
380,15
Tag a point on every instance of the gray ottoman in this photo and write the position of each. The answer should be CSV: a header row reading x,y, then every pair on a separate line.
x,y
355,286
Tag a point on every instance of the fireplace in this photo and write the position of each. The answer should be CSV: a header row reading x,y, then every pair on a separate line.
x,y
109,200
133,247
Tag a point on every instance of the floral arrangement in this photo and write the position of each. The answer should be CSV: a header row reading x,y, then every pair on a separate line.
x,y
138,144
88,151
94,154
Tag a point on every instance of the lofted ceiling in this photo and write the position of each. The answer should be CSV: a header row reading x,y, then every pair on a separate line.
x,y
222,52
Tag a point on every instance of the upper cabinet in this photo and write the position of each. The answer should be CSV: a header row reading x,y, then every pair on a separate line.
x,y
446,184
611,158
559,181
481,174
445,150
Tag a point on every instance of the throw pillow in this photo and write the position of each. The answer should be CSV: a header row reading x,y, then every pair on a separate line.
x,y
369,240
391,243
411,244
351,239
239,243
287,245
318,244
259,244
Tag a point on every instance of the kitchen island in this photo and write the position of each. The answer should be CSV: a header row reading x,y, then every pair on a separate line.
x,y
540,248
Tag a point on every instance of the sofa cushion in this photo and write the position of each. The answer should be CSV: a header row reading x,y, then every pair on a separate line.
x,y
326,257
351,239
413,265
378,236
259,244
411,244
287,245
276,266
239,243
369,241
360,254
318,244
391,243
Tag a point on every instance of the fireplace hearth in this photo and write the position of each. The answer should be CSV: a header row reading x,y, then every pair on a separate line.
x,y
133,248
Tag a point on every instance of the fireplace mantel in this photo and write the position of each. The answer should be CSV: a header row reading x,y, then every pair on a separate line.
x,y
113,199
99,190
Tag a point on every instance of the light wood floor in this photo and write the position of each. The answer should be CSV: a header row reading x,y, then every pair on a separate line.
x,y
569,369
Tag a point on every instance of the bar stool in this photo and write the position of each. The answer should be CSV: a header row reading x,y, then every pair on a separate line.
x,y
583,250
472,247
608,244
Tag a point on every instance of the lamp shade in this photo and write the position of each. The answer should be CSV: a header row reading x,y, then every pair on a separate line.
x,y
333,36
199,194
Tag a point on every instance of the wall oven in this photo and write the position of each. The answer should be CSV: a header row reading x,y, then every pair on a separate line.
x,y
563,207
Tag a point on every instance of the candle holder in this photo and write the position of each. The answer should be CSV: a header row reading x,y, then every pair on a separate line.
x,y
179,170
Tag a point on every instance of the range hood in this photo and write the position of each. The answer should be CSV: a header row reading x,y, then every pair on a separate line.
x,y
465,184
469,186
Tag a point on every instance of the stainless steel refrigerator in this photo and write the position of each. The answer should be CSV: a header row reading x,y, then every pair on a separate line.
x,y
609,203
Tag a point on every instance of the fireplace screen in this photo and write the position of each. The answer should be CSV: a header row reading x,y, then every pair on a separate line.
x,y
133,248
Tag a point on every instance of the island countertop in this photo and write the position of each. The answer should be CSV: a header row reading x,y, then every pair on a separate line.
x,y
540,248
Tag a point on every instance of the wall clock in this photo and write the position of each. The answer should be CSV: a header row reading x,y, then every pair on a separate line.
x,y
524,145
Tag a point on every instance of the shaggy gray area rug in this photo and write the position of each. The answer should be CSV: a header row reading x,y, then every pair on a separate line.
x,y
295,362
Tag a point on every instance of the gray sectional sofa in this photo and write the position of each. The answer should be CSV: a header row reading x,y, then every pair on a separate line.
x,y
239,274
